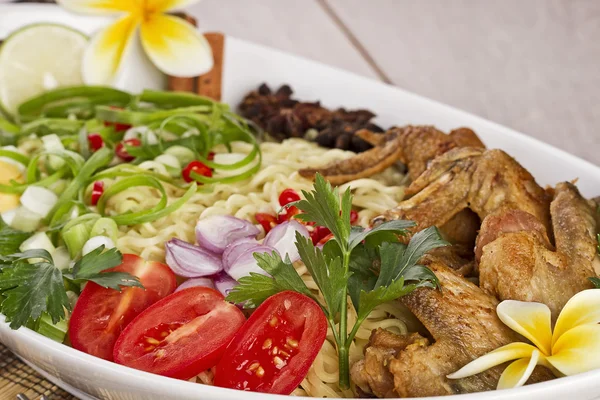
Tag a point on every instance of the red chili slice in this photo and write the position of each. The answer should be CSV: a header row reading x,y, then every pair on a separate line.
x,y
353,217
274,350
181,335
97,191
95,142
197,167
318,233
288,196
287,214
267,221
121,151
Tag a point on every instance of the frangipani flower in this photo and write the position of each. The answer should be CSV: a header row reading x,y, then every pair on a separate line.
x,y
172,44
573,347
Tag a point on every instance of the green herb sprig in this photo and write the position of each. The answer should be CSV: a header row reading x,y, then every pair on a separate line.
x,y
31,285
370,266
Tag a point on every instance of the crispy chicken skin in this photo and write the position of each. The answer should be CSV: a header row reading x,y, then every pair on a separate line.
x,y
462,320
484,181
521,264
414,146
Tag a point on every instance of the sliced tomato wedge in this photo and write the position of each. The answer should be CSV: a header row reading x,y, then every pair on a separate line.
x,y
274,350
101,314
181,335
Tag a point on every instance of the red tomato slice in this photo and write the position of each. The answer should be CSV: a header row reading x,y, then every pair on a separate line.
x,y
100,314
181,335
197,167
274,350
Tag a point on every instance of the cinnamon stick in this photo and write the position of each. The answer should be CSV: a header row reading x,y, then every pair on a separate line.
x,y
208,84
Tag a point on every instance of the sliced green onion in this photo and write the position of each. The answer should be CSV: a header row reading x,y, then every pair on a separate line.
x,y
171,100
108,114
25,220
105,227
47,126
98,160
16,156
160,210
56,332
75,237
71,100
183,154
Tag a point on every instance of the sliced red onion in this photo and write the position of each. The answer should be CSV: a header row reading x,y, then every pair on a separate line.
x,y
283,239
204,282
191,261
235,249
216,232
224,283
246,263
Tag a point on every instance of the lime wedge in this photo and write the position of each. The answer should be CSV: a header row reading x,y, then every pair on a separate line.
x,y
37,58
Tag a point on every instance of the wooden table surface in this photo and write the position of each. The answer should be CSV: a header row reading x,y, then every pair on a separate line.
x,y
531,65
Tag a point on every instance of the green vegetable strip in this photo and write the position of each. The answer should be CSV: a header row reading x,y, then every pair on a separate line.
x,y
144,118
99,159
73,160
125,170
20,188
174,99
37,106
46,126
158,211
13,155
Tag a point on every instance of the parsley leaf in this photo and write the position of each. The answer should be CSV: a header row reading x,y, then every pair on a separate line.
x,y
369,265
595,281
30,290
395,260
10,239
327,271
31,285
322,206
91,266
398,227
256,288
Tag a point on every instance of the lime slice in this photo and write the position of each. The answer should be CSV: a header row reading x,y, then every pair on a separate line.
x,y
38,58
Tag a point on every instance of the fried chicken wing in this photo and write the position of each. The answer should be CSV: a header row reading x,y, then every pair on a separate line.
x,y
414,146
462,320
481,180
520,263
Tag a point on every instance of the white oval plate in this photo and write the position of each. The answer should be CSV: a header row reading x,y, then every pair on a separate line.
x,y
246,66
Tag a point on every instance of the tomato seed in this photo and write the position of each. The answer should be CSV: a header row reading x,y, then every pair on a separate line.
x,y
253,366
260,372
279,363
152,341
292,342
273,322
267,344
275,350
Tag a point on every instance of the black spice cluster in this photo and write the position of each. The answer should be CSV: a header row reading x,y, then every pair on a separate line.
x,y
283,117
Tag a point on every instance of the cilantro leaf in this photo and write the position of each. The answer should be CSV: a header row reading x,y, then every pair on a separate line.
x,y
30,290
327,270
397,227
11,239
322,206
91,266
256,288
364,265
395,261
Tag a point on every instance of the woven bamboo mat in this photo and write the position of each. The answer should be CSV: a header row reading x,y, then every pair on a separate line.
x,y
17,377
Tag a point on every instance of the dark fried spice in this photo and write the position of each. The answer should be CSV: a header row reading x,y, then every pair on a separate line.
x,y
284,117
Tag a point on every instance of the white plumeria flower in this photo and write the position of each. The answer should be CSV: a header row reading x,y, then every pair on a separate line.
x,y
573,347
173,45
